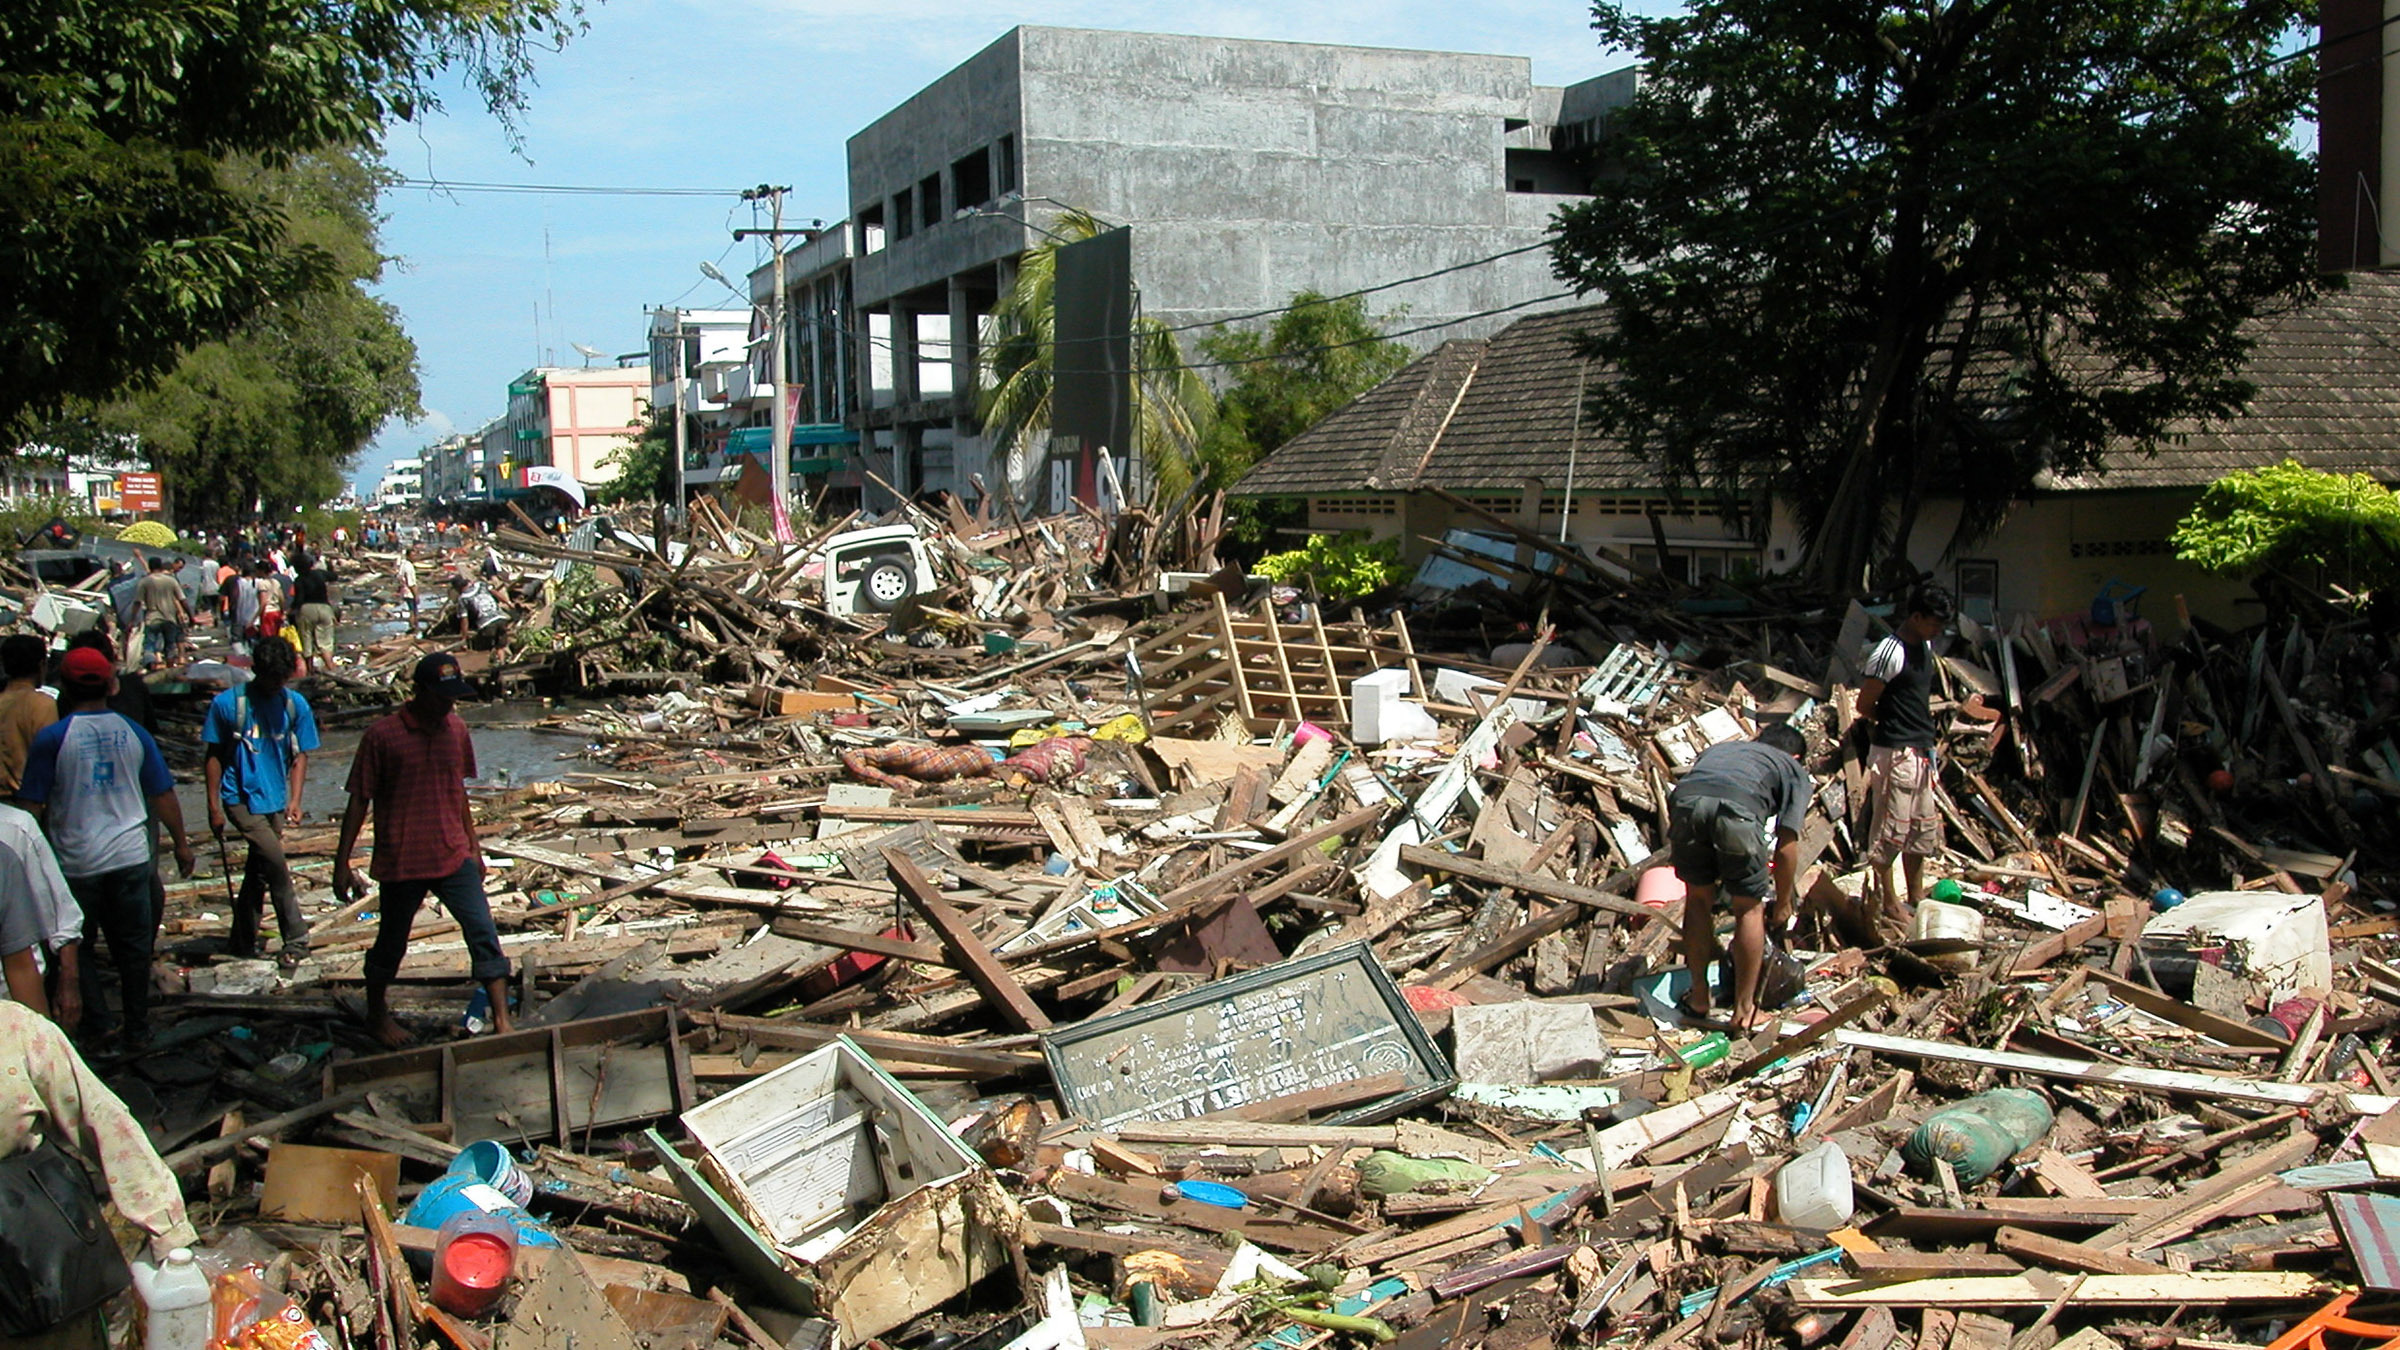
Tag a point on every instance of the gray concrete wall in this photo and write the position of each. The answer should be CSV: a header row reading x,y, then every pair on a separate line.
x,y
968,109
1251,170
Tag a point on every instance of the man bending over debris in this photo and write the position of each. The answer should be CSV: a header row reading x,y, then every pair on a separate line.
x,y
1896,695
412,767
1717,823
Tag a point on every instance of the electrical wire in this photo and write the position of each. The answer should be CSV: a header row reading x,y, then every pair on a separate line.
x,y
560,189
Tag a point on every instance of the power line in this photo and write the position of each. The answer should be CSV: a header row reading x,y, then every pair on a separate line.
x,y
561,189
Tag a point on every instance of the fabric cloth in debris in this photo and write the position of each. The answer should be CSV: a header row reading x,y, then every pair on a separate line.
x,y
1053,761
1906,818
414,769
1526,1042
36,909
907,767
47,1091
1904,711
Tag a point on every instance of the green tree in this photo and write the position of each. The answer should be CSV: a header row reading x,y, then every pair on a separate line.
x,y
1317,355
645,465
276,412
123,242
2343,526
1172,406
1857,252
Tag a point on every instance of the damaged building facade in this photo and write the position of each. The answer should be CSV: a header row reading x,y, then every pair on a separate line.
x,y
1245,170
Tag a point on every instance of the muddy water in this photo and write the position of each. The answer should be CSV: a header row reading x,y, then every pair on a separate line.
x,y
508,752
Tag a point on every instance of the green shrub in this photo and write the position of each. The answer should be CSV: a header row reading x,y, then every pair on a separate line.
x,y
1343,567
2288,515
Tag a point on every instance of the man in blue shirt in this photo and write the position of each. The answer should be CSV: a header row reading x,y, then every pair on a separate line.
x,y
259,736
98,778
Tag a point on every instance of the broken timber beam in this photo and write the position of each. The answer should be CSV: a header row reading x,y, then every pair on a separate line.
x,y
2132,1078
1549,888
982,969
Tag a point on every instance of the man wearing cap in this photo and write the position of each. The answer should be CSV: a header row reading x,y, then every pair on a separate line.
x,y
98,779
412,767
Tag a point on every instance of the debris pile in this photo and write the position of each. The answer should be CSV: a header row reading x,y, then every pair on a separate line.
x,y
1040,955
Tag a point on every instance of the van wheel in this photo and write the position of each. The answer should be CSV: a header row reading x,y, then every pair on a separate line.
x,y
889,580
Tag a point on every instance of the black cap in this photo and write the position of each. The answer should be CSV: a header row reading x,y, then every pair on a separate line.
x,y
439,670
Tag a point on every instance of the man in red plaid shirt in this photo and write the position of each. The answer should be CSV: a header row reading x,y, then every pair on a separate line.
x,y
412,767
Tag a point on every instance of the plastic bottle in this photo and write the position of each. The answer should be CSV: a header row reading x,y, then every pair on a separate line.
x,y
1813,1190
175,1301
1980,1133
1708,1050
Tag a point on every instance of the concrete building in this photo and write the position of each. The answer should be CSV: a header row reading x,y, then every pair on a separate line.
x,y
1246,170
403,485
716,350
571,419
821,375
452,469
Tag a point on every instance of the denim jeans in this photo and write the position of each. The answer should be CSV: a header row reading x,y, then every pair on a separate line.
x,y
461,893
116,906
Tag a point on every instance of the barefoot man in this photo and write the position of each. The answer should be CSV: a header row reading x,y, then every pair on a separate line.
x,y
412,767
1717,822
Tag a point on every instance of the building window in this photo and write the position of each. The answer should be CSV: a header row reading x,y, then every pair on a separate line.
x,y
971,180
904,214
870,229
929,201
1545,171
1006,171
1979,589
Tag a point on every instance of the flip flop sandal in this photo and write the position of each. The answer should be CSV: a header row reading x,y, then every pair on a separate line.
x,y
1708,1021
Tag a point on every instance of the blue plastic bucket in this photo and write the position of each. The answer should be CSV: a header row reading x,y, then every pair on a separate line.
x,y
458,1193
488,1162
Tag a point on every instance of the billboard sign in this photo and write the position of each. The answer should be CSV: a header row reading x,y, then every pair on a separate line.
x,y
139,492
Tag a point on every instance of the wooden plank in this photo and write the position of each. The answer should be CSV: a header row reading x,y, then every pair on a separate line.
x,y
2049,947
2132,1078
852,940
2057,1253
2204,1288
1549,888
990,978
1886,1267
883,1046
1816,1031
1146,1201
2185,1015
2202,1200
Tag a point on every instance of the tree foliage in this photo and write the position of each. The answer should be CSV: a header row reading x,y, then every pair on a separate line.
x,y
2345,525
645,465
125,237
1857,251
1172,406
1317,355
273,414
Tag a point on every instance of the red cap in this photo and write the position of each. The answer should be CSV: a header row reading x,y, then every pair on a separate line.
x,y
87,665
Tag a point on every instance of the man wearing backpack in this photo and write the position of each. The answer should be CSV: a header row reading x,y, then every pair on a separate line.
x,y
259,736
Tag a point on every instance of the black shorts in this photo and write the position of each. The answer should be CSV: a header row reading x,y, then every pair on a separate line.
x,y
1716,844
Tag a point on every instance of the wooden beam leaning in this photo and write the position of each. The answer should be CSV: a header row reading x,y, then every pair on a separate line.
x,y
967,952
1549,888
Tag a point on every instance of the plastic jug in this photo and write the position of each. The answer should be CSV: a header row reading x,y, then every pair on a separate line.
x,y
473,1256
1813,1190
1980,1133
175,1301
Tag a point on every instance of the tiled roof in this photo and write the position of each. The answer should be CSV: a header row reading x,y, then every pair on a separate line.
x,y
1493,413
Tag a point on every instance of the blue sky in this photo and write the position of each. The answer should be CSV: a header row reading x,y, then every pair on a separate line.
x,y
725,95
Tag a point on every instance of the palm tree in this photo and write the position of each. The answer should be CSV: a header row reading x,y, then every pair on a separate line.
x,y
1172,406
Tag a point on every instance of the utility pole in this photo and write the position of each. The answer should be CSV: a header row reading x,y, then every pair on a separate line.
x,y
779,460
680,460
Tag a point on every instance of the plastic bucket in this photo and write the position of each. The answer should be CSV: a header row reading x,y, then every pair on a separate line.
x,y
473,1257
488,1162
454,1193
1659,888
